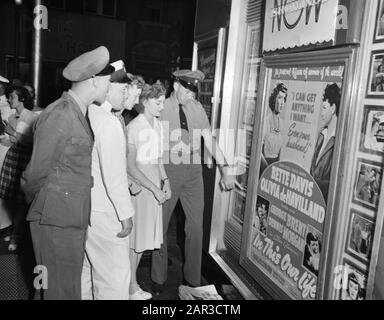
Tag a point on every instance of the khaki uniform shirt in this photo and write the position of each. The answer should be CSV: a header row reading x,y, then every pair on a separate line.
x,y
177,140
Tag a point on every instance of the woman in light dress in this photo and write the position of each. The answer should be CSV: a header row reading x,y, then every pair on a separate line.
x,y
145,151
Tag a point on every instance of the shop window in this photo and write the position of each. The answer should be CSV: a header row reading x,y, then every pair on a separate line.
x,y
247,117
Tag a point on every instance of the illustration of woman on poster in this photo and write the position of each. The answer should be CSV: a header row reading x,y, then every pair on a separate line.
x,y
272,137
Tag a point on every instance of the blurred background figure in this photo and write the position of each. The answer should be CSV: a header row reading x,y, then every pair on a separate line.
x,y
5,109
19,129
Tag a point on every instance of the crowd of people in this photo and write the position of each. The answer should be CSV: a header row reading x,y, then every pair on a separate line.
x,y
17,119
97,191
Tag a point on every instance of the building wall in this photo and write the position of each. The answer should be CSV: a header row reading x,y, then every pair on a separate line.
x,y
149,35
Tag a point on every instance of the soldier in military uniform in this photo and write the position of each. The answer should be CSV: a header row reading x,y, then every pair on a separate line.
x,y
58,178
184,118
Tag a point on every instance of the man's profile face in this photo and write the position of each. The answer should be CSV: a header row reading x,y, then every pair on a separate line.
x,y
327,111
116,95
183,94
102,86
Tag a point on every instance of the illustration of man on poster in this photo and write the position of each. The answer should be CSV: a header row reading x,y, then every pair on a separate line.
x,y
321,165
312,253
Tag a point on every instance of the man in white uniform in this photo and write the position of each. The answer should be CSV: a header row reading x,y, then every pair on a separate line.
x,y
133,90
106,271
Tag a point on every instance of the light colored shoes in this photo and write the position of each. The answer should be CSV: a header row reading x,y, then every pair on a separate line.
x,y
140,295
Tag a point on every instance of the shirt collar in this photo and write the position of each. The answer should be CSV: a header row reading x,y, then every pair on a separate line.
x,y
107,106
81,104
23,113
324,131
329,133
3,98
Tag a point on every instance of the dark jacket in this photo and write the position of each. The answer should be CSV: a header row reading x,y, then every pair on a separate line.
x,y
321,171
58,179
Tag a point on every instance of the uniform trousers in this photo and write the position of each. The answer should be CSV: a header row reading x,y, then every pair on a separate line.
x,y
106,270
61,252
187,185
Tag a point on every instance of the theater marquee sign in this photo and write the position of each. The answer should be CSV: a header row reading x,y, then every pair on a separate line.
x,y
296,23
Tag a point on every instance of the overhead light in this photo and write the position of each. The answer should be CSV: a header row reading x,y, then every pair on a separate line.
x,y
18,2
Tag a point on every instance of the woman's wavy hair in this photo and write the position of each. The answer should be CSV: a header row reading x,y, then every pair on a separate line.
x,y
154,91
332,93
22,94
281,87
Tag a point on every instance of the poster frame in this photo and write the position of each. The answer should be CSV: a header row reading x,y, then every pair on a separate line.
x,y
369,92
340,56
367,109
348,262
378,38
358,201
376,250
348,249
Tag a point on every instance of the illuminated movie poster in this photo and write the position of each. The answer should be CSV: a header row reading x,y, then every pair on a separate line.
x,y
297,153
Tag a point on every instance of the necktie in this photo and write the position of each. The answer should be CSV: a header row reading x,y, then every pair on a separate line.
x,y
319,145
183,118
183,127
